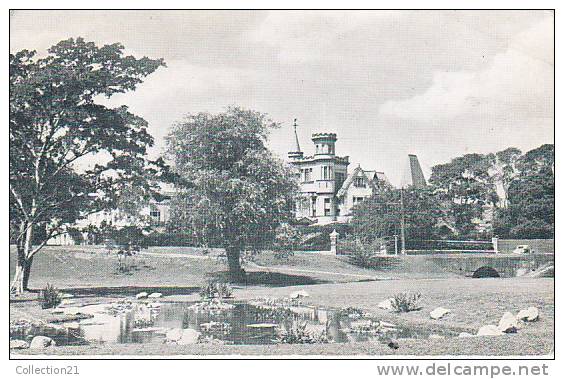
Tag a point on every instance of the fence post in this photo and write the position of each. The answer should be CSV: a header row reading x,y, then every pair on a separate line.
x,y
495,241
334,239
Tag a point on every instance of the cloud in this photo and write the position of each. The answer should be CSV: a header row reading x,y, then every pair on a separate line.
x,y
518,80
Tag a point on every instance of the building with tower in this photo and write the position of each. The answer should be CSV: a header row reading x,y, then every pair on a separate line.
x,y
327,191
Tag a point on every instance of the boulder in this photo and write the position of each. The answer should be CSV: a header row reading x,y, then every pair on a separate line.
x,y
393,345
386,304
18,344
439,313
182,336
141,295
529,314
436,337
508,323
489,330
155,295
465,335
173,335
40,342
299,294
189,337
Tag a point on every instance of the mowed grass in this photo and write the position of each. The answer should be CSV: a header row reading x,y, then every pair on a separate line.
x,y
90,274
91,266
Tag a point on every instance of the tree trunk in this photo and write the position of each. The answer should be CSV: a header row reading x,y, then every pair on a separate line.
x,y
236,273
23,265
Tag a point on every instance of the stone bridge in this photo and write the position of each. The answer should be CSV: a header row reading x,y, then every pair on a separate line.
x,y
495,265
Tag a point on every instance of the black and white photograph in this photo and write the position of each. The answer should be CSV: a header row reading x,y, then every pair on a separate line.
x,y
312,184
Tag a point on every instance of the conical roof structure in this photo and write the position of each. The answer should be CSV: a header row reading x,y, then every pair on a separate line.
x,y
413,175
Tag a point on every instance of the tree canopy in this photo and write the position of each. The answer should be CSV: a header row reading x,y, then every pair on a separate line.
x,y
58,130
234,192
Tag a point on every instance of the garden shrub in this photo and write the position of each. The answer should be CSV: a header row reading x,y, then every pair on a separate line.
x,y
216,290
406,302
49,297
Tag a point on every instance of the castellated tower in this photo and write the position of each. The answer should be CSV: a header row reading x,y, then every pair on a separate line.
x,y
320,177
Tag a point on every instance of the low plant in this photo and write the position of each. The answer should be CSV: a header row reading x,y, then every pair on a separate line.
x,y
216,290
49,297
406,302
297,333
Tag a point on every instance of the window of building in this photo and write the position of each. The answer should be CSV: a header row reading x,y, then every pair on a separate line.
x,y
313,210
155,213
326,172
307,174
360,181
357,199
327,208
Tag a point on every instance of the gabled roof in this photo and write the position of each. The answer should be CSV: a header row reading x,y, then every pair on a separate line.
x,y
357,172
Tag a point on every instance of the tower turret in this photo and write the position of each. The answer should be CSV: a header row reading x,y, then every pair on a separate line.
x,y
324,143
297,152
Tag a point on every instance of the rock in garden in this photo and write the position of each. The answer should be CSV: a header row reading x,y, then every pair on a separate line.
x,y
465,335
508,323
66,296
529,314
18,344
182,336
384,324
436,337
173,335
141,295
155,295
393,345
386,304
438,313
40,342
489,330
189,337
298,294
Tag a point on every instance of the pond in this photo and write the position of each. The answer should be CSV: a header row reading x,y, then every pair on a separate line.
x,y
233,322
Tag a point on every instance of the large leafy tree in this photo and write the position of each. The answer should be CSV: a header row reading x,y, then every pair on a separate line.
x,y
466,187
233,192
58,129
530,210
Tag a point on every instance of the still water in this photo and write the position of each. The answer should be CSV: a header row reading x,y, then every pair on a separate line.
x,y
241,323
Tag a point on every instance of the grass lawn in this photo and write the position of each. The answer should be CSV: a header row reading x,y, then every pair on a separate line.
x,y
474,302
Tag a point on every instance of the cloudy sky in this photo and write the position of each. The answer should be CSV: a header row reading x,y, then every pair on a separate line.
x,y
434,83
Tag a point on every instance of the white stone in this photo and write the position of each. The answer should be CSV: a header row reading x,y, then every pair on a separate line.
x,y
298,294
155,295
18,344
141,295
385,324
386,304
41,342
57,311
173,335
189,337
436,337
438,313
529,314
262,326
66,295
508,323
465,335
489,330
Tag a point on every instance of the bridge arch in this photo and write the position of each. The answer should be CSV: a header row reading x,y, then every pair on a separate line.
x,y
486,272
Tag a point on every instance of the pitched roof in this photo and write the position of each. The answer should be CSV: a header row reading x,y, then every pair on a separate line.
x,y
358,171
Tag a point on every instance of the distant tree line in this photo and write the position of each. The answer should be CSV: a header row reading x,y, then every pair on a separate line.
x,y
475,196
